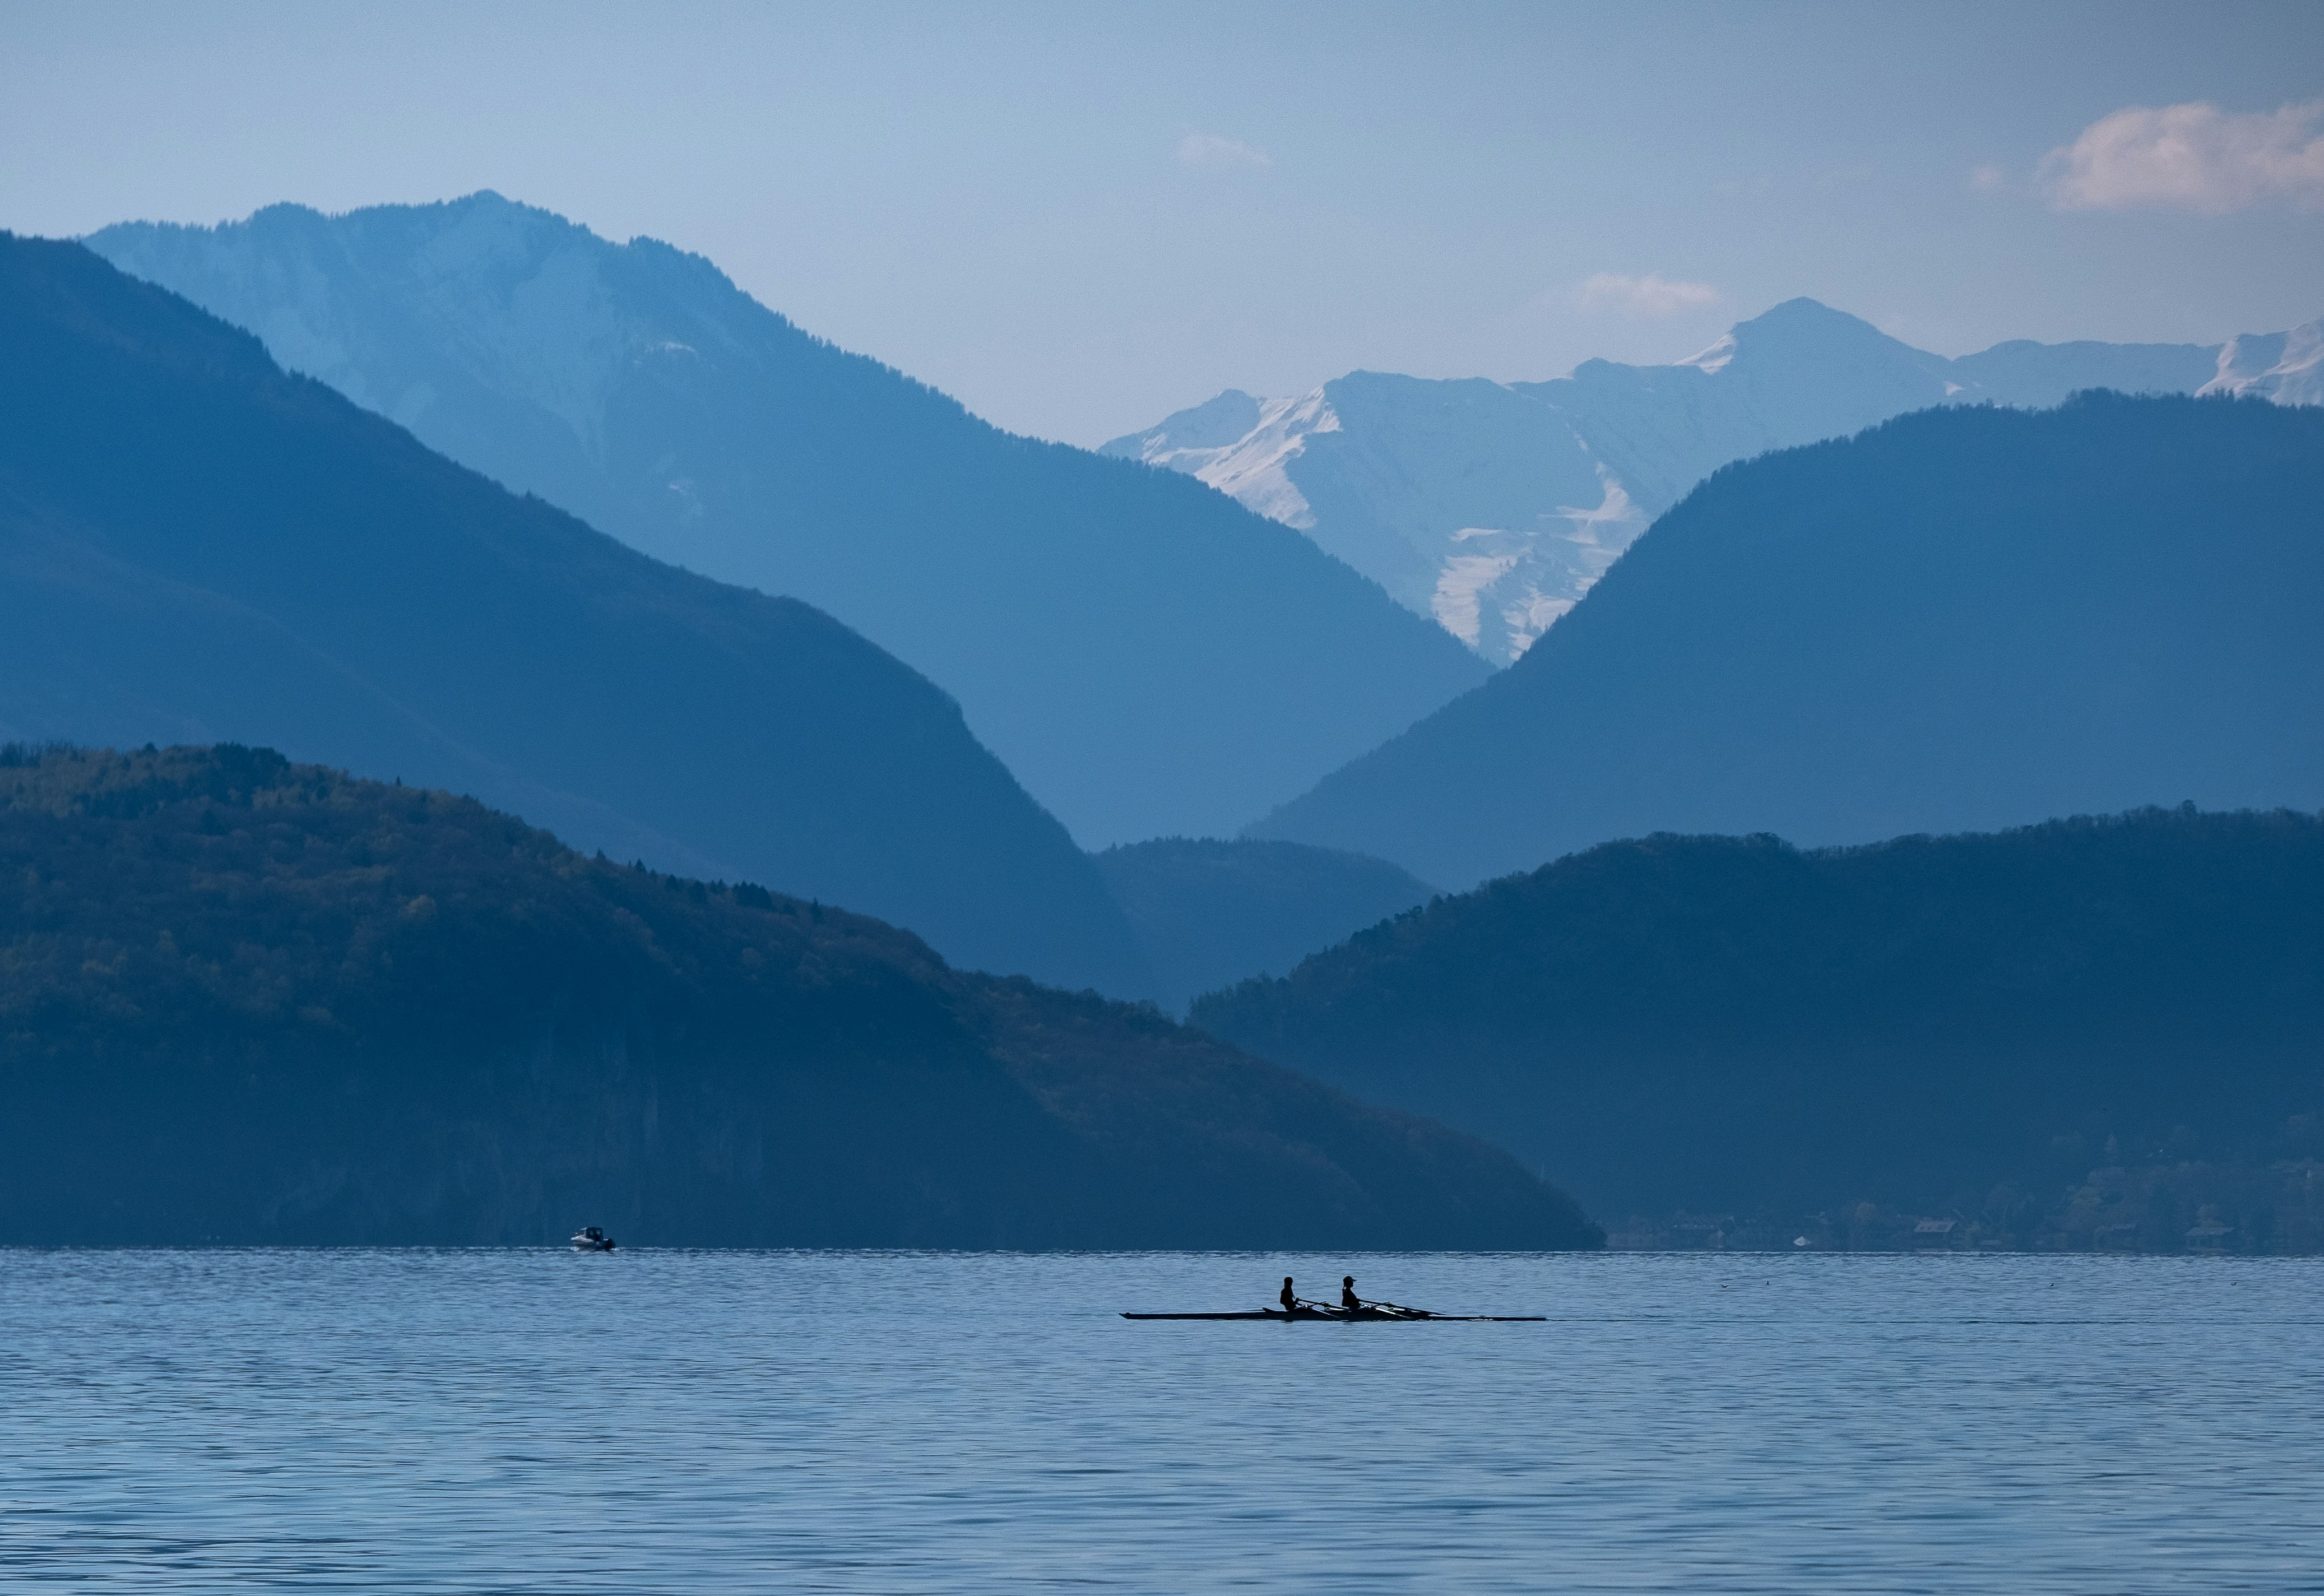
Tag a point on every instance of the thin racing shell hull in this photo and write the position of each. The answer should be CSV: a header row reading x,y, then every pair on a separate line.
x,y
1359,1317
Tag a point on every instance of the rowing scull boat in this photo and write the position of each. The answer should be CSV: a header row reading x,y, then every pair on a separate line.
x,y
1361,1316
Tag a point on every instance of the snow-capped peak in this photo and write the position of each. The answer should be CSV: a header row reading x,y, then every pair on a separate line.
x,y
1471,502
2286,367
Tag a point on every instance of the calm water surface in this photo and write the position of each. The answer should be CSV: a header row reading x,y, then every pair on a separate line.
x,y
486,1421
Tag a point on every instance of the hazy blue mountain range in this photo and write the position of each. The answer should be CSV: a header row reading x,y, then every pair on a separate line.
x,y
1208,912
243,1001
1147,657
196,546
1963,619
1730,1024
1493,507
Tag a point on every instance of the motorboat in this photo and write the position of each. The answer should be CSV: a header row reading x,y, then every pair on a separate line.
x,y
590,1238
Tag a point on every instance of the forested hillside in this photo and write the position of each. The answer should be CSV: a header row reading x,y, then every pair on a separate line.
x,y
194,547
246,1001
1961,619
1733,1024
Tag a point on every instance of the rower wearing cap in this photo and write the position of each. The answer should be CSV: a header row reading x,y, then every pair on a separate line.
x,y
1348,1297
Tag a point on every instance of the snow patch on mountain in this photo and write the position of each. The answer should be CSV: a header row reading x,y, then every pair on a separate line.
x,y
1464,578
1255,468
1210,425
1239,446
1714,359
1497,590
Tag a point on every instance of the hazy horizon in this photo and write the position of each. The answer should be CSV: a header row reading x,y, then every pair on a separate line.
x,y
1077,226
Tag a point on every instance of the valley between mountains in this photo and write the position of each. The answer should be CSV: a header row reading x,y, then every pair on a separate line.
x,y
499,724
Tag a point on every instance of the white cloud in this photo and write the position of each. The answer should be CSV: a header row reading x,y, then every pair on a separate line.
x,y
2192,157
1646,295
1208,149
1988,179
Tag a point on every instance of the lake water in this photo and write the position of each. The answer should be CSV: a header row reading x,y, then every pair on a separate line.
x,y
489,1421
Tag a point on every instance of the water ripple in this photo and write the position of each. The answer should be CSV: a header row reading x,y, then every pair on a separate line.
x,y
502,1421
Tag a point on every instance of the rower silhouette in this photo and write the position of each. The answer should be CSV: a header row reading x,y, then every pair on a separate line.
x,y
1289,1301
1348,1297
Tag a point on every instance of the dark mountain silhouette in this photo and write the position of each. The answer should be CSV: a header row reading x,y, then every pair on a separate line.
x,y
1146,655
1208,912
1961,619
251,1001
198,546
1721,1023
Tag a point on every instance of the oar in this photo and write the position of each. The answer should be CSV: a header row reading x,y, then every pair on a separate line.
x,y
1340,1311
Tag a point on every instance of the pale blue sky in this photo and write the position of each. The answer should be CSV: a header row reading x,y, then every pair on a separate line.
x,y
1078,218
